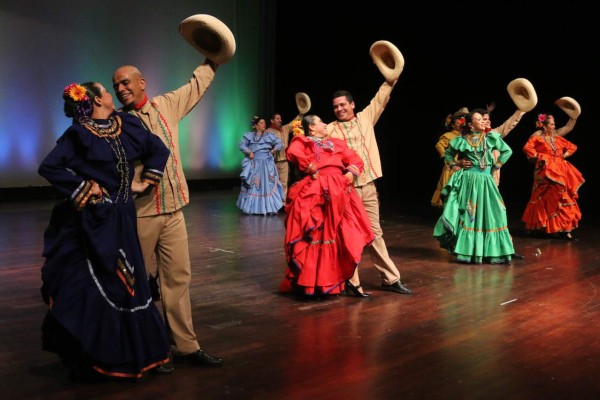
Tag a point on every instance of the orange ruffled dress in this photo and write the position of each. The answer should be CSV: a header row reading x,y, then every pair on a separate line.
x,y
553,203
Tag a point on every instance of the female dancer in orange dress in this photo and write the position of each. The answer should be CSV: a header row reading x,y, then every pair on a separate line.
x,y
552,207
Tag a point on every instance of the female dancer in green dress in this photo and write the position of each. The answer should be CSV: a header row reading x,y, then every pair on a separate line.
x,y
473,225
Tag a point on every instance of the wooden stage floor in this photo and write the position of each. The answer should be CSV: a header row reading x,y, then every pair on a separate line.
x,y
529,330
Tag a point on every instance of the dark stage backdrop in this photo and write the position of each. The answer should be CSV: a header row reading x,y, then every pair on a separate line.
x,y
457,54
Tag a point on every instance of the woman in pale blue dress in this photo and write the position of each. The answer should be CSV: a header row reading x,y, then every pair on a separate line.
x,y
261,191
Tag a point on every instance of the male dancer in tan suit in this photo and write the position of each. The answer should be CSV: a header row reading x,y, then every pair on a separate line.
x,y
161,222
281,162
359,133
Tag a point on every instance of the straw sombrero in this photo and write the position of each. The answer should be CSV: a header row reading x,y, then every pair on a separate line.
x,y
388,59
302,102
209,36
462,111
522,94
570,106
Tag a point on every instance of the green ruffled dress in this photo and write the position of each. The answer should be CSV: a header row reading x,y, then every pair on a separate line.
x,y
473,225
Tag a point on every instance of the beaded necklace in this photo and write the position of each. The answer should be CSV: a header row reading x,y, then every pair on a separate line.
x,y
111,133
471,139
549,138
258,135
321,144
476,144
111,129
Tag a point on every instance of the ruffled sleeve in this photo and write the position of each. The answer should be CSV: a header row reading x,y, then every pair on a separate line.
x,y
530,147
495,142
301,154
567,147
452,150
56,168
244,144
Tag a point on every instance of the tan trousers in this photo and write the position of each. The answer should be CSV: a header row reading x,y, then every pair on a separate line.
x,y
378,250
283,170
164,242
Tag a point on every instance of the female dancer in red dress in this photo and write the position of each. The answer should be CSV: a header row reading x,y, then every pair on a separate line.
x,y
327,226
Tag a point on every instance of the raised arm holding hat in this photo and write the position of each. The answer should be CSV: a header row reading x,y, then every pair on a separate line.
x,y
283,132
524,96
388,59
571,107
161,221
359,133
209,36
302,103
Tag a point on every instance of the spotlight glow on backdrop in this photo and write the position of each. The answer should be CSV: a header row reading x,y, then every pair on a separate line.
x,y
45,46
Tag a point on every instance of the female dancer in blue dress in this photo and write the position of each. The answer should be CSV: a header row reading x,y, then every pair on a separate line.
x,y
101,319
261,191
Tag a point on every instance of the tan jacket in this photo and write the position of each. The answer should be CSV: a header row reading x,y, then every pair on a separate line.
x,y
359,134
161,115
284,135
509,124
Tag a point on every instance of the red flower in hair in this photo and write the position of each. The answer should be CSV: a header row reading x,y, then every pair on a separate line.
x,y
540,120
75,92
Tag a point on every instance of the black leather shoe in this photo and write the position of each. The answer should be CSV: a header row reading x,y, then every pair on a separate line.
x,y
200,358
397,287
163,369
352,290
518,256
